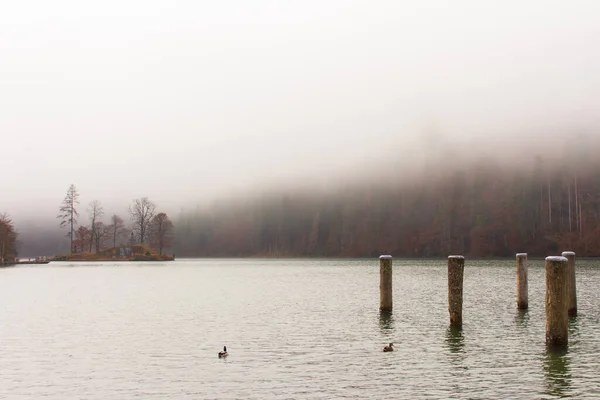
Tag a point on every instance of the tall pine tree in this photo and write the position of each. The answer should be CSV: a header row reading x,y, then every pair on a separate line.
x,y
68,212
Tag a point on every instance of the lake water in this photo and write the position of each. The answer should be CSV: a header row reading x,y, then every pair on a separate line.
x,y
294,329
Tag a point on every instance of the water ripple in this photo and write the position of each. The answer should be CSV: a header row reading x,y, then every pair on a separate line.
x,y
295,329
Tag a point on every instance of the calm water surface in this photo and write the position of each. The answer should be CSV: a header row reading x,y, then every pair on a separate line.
x,y
295,329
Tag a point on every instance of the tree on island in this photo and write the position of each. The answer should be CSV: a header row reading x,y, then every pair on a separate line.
x,y
68,212
116,228
95,211
141,212
83,238
101,234
161,232
8,238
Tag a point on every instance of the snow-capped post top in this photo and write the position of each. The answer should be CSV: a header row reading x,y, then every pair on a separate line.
x,y
457,257
556,259
568,253
521,254
385,257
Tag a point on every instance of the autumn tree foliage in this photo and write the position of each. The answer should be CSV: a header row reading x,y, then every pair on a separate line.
x,y
68,212
161,232
83,238
141,212
8,238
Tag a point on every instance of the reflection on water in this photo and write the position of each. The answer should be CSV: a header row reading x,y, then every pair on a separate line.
x,y
386,322
455,339
557,371
522,318
573,329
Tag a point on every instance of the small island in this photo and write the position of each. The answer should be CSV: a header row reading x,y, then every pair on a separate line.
x,y
136,252
150,233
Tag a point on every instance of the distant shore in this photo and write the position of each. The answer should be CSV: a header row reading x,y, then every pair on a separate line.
x,y
139,258
136,252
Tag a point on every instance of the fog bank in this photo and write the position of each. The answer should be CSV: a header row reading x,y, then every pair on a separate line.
x,y
186,102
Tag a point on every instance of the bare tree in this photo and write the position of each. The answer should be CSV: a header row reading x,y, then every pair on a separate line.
x,y
96,211
116,228
141,211
131,240
101,234
161,232
68,212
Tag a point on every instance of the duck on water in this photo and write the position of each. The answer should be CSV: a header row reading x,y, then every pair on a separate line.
x,y
224,353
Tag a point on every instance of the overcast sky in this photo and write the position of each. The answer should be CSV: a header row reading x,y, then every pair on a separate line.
x,y
181,100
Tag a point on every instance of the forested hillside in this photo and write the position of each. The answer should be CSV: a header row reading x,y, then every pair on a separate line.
x,y
543,204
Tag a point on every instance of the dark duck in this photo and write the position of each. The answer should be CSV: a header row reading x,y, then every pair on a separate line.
x,y
389,348
223,353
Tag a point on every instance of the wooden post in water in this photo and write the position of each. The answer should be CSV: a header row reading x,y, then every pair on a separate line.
x,y
571,283
385,283
456,267
557,317
522,295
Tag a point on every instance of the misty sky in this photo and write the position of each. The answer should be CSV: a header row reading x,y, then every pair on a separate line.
x,y
183,100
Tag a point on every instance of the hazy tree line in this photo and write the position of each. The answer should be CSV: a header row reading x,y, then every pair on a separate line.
x,y
541,205
8,238
146,225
